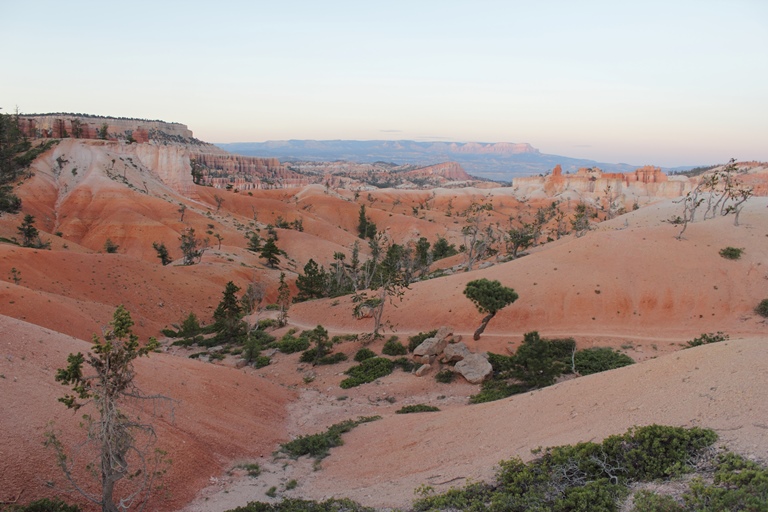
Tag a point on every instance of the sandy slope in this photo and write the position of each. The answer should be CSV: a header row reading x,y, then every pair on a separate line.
x,y
628,284
221,414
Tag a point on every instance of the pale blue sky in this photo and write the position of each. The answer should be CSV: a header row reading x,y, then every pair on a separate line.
x,y
668,83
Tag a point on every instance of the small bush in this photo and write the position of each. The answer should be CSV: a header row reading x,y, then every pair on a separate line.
x,y
310,355
415,341
300,505
393,347
445,376
405,364
260,361
290,344
266,323
731,253
272,307
43,505
253,469
586,477
762,308
363,354
318,445
367,371
707,338
408,409
599,359
291,484
649,501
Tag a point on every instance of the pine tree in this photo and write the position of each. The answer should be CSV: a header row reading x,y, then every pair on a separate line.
x,y
122,444
270,253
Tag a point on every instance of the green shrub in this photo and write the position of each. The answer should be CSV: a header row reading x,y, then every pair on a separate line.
x,y
253,469
762,308
367,371
290,344
707,338
408,409
445,376
169,333
405,364
291,484
344,337
585,477
43,505
300,505
496,389
318,445
599,359
266,323
731,253
363,354
260,361
418,339
272,307
309,356
393,347
648,501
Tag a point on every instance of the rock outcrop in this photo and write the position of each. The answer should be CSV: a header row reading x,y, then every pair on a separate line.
x,y
475,368
592,184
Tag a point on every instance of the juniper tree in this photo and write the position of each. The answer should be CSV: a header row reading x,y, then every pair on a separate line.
x,y
488,297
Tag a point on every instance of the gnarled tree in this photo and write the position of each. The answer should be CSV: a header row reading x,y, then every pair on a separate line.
x,y
118,449
488,297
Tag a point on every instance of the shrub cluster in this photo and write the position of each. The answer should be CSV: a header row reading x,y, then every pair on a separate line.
x,y
299,505
367,371
290,344
599,359
318,445
408,409
582,477
707,338
731,253
538,362
363,354
393,347
762,308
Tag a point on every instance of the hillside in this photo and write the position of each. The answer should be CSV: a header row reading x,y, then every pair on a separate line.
x,y
627,283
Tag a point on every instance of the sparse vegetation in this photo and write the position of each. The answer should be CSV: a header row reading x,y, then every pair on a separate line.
x,y
707,338
363,354
192,247
162,253
408,409
599,359
585,477
445,376
762,308
393,347
367,371
318,445
110,247
731,253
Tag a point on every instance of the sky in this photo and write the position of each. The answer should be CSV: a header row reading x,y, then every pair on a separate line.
x,y
671,82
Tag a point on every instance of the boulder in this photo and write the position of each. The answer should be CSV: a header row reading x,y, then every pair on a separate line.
x,y
474,367
423,370
433,346
455,352
426,359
